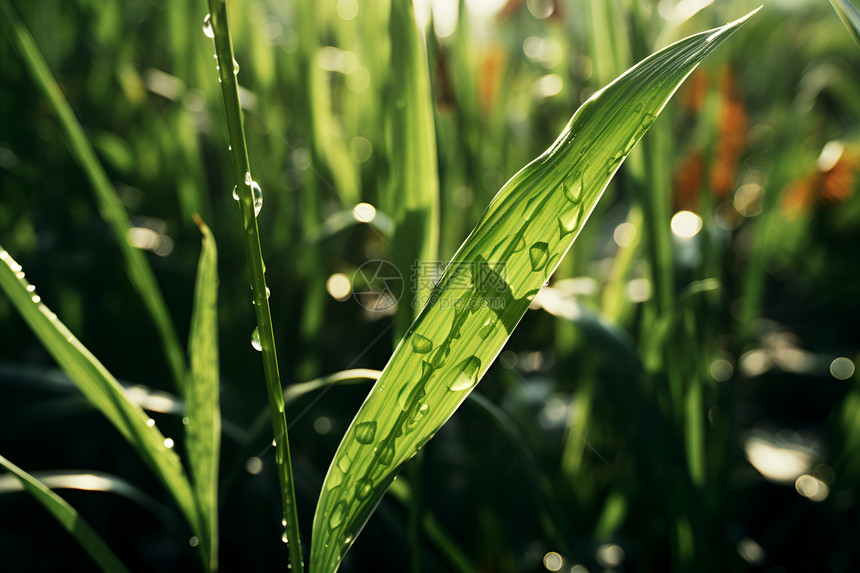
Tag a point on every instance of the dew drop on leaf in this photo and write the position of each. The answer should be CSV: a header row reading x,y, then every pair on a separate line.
x,y
538,255
421,344
235,67
467,374
531,207
387,456
258,197
363,488
573,188
236,192
336,518
487,327
255,340
207,26
403,397
648,120
521,244
568,220
365,432
344,462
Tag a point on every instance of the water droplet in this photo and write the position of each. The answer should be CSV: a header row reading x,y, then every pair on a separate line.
x,y
336,518
258,197
235,67
647,120
403,397
467,374
185,420
284,537
638,108
31,288
36,299
387,456
365,432
521,244
344,462
283,523
573,188
168,442
363,488
255,340
613,163
193,541
487,327
333,480
274,443
236,192
421,344
531,207
207,26
413,422
568,220
538,255
150,422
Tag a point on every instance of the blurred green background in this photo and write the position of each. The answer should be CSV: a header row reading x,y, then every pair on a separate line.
x,y
682,396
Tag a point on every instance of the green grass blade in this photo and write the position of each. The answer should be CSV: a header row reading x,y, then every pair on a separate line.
x,y
246,190
850,16
110,207
202,405
99,387
488,286
93,481
68,518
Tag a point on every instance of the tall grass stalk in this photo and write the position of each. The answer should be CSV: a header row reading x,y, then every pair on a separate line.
x,y
217,25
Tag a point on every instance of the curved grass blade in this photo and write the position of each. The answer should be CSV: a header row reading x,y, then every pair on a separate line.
x,y
487,287
68,518
850,16
110,207
100,388
94,481
202,405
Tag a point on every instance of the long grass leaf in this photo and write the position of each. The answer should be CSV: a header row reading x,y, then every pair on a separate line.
x,y
110,207
850,16
202,404
99,387
68,517
250,200
486,289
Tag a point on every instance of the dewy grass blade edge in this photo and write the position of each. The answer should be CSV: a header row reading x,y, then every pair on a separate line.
x,y
218,22
517,244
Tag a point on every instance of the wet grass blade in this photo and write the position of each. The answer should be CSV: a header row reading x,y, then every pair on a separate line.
x,y
100,388
250,198
68,517
850,16
110,207
486,289
202,404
